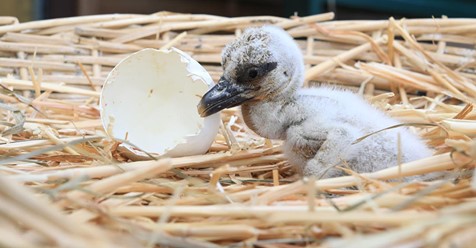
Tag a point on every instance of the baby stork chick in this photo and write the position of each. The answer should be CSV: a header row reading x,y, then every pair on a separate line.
x,y
263,72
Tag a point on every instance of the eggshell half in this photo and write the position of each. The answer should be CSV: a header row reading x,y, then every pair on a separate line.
x,y
150,98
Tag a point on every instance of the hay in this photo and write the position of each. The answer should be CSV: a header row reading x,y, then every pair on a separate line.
x,y
64,183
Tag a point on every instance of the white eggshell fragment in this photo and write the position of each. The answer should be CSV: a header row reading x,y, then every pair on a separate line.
x,y
150,98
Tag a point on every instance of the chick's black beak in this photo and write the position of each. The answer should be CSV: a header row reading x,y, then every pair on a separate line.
x,y
224,95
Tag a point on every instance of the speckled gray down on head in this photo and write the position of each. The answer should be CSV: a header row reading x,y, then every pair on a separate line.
x,y
264,72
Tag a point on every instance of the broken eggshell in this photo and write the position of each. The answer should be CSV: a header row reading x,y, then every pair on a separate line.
x,y
150,99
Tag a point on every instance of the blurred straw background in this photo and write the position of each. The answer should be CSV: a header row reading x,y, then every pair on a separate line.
x,y
65,184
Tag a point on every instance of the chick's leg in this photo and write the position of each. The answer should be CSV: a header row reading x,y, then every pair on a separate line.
x,y
336,150
302,144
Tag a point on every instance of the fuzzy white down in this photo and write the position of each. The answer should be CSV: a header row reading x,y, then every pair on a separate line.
x,y
318,125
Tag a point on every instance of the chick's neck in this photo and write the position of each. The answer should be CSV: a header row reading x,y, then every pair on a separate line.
x,y
270,114
266,116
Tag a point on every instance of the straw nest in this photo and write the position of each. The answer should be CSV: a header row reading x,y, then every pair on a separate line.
x,y
63,183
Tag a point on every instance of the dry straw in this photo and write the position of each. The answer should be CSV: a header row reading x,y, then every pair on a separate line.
x,y
63,184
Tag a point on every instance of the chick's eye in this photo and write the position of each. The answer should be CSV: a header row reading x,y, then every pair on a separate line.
x,y
252,73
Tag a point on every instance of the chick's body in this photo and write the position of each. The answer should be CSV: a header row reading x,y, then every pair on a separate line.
x,y
319,126
264,70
